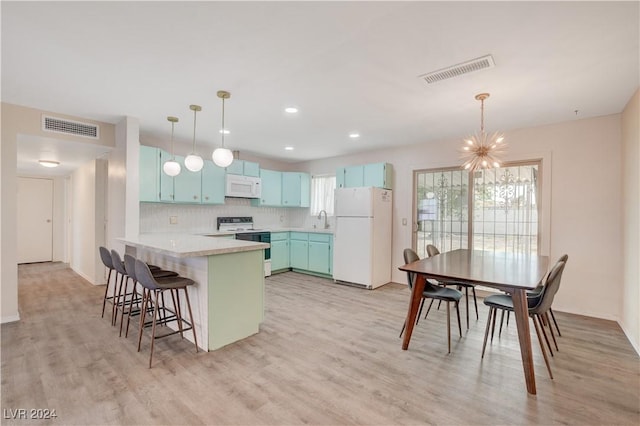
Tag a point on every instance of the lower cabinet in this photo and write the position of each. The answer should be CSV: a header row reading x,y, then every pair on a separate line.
x,y
299,255
320,253
279,251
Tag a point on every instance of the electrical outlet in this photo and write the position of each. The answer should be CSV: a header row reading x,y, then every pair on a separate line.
x,y
404,221
173,220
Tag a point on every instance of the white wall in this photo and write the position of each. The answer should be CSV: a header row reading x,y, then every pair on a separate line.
x,y
631,220
585,201
87,220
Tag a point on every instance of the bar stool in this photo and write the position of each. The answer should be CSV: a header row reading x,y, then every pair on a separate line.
x,y
173,285
130,267
105,256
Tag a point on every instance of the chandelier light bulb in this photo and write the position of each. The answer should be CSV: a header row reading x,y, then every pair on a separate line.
x,y
193,162
171,168
223,157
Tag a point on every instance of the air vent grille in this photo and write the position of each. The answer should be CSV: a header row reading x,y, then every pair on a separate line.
x,y
459,69
57,125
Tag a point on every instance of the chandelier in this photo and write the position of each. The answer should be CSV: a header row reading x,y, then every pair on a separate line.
x,y
483,151
172,167
223,157
193,162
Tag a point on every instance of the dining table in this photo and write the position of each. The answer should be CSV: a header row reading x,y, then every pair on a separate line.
x,y
513,273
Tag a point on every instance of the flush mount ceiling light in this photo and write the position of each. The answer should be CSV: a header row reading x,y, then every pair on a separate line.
x,y
483,151
193,161
288,148
223,157
354,135
171,167
49,163
291,110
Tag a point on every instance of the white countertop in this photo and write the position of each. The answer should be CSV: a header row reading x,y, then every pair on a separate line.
x,y
186,245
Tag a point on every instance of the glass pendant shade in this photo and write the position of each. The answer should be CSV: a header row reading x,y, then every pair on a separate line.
x,y
171,168
223,157
193,162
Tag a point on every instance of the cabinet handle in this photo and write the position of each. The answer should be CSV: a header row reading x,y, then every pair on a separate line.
x,y
206,198
195,197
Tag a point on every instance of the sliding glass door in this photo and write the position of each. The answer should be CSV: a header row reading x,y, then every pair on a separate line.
x,y
499,208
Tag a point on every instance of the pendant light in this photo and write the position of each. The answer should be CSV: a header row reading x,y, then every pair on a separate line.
x,y
193,161
482,151
223,157
172,167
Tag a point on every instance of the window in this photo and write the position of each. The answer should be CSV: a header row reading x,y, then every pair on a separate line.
x,y
322,188
500,212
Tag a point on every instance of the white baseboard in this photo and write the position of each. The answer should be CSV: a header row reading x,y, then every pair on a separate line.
x,y
85,276
634,344
10,318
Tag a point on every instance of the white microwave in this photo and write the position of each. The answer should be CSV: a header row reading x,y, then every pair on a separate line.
x,y
243,186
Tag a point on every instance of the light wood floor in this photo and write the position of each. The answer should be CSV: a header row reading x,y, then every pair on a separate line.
x,y
326,354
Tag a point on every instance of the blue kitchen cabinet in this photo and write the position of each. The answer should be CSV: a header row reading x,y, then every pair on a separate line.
x,y
187,185
271,189
320,253
378,175
213,182
149,177
279,251
299,244
296,188
353,176
245,168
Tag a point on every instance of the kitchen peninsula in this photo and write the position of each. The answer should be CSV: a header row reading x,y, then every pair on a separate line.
x,y
228,297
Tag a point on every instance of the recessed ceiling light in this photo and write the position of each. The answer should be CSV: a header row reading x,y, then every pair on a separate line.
x,y
49,163
225,131
288,148
354,135
291,110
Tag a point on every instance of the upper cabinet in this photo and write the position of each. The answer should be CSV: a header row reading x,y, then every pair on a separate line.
x,y
205,186
284,189
377,174
245,168
149,176
212,183
271,189
187,186
296,189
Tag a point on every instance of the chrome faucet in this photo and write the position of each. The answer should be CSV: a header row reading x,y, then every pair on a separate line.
x,y
326,225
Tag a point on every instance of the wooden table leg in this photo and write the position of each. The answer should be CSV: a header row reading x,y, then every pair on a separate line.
x,y
414,304
521,310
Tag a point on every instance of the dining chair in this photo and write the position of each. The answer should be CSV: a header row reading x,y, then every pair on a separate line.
x,y
433,251
535,293
538,307
433,292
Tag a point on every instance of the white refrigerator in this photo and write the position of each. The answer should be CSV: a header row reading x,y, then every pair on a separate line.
x,y
362,237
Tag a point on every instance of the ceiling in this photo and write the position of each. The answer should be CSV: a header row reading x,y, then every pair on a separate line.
x,y
347,66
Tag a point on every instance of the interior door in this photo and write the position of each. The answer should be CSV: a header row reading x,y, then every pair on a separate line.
x,y
35,220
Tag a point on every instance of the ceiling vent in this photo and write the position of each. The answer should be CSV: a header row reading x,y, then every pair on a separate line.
x,y
69,127
459,69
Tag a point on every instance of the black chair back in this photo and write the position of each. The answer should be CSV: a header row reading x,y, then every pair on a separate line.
x,y
432,250
130,266
551,286
410,256
144,276
106,257
117,262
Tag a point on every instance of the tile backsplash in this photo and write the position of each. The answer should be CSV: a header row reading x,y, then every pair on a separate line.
x,y
155,217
